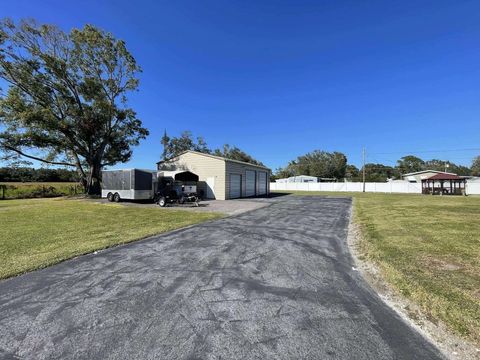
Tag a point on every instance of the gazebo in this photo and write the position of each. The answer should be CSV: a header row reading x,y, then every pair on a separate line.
x,y
444,184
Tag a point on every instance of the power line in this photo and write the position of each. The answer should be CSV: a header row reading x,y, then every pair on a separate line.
x,y
363,168
425,151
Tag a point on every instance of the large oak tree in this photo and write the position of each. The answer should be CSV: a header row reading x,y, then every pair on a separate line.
x,y
317,163
66,102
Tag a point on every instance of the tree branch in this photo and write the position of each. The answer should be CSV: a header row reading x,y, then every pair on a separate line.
x,y
78,164
36,158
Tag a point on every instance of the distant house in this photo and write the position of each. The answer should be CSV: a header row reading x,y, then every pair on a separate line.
x,y
418,176
305,179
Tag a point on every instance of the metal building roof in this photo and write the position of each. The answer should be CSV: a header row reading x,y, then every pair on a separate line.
x,y
215,157
427,171
444,176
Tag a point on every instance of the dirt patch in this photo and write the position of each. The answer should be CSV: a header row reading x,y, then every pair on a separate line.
x,y
441,264
451,345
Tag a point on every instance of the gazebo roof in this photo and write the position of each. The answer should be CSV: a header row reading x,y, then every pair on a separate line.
x,y
444,176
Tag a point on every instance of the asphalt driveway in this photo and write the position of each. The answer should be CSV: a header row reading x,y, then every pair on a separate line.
x,y
274,283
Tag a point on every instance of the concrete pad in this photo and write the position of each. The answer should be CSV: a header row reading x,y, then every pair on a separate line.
x,y
229,207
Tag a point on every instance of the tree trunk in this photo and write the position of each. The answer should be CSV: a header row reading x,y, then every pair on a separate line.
x,y
84,183
94,179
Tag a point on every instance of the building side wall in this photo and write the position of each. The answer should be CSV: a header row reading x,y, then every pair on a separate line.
x,y
237,168
205,167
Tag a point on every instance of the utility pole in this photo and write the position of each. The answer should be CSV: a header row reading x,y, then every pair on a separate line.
x,y
363,167
164,141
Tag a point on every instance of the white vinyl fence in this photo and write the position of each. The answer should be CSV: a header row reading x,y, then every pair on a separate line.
x,y
379,187
473,188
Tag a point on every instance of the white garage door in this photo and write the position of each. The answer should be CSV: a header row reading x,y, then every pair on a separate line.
x,y
249,183
235,186
261,183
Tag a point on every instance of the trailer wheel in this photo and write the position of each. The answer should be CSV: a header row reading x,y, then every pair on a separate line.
x,y
162,202
116,197
110,197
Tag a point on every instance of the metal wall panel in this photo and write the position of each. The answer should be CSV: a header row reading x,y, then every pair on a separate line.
x,y
112,180
127,180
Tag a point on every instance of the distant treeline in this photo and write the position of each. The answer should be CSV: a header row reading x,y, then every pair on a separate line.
x,y
26,174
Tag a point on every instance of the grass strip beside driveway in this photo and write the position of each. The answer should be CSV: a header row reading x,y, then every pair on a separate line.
x,y
37,233
428,248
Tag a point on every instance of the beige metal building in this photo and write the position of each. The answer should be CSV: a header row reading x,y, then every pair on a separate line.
x,y
221,178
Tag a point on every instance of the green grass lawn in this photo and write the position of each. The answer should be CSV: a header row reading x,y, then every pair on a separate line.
x,y
39,232
428,248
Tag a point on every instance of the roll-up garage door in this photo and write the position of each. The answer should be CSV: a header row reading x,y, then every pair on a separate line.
x,y
249,183
235,186
261,183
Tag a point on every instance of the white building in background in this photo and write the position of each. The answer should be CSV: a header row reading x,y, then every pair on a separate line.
x,y
298,179
418,176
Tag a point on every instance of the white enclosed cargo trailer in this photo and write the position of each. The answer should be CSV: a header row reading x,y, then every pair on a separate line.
x,y
131,184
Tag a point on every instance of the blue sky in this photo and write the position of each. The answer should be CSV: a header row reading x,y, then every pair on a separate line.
x,y
281,78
